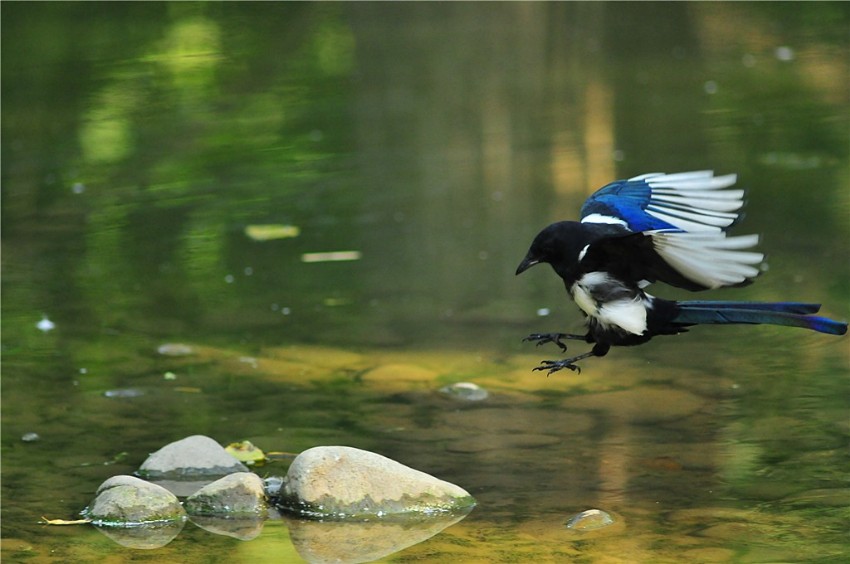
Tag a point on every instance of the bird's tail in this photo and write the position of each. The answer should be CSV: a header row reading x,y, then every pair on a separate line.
x,y
790,314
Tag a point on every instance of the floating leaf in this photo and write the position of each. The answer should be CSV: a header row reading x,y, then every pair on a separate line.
x,y
46,521
188,389
271,232
331,256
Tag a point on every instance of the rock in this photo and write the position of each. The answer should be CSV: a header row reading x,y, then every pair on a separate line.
x,y
496,441
345,482
126,501
396,373
236,495
190,458
30,437
465,391
272,485
826,497
590,520
640,405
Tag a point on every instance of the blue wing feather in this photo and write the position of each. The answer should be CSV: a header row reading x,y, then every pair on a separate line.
x,y
689,201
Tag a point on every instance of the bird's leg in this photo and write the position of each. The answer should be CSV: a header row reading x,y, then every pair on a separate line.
x,y
543,338
554,365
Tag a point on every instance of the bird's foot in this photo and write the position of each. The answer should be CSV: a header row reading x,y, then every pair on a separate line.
x,y
555,365
543,338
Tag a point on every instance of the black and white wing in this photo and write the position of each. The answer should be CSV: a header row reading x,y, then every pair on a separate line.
x,y
679,223
686,201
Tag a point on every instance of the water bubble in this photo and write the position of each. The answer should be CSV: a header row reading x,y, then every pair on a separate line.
x,y
710,87
543,311
229,279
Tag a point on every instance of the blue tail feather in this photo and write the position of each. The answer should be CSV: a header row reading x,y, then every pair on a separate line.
x,y
787,307
789,314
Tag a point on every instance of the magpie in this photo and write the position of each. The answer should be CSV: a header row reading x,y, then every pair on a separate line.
x,y
657,227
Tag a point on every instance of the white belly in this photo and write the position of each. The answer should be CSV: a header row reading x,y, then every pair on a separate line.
x,y
628,313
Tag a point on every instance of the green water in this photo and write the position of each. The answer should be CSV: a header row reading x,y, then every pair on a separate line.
x,y
142,143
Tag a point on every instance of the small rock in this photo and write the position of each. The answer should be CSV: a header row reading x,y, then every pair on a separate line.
x,y
465,391
590,520
175,349
272,485
237,495
190,458
126,501
345,482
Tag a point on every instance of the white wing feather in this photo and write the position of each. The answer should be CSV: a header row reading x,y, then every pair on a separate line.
x,y
693,201
709,258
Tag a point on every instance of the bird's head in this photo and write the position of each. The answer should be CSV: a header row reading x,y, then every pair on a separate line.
x,y
558,244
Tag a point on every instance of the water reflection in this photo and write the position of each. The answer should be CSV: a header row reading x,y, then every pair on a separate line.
x,y
142,141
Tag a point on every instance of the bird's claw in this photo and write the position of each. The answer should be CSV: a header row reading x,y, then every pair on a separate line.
x,y
555,365
543,338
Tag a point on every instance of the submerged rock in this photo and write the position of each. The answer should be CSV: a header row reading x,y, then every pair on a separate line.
x,y
345,482
465,391
236,495
190,458
127,501
640,405
590,520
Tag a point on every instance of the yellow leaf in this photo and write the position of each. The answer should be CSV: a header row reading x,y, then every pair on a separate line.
x,y
46,521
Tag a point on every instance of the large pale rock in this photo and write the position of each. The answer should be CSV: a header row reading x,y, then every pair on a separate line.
x,y
236,495
190,458
343,482
126,501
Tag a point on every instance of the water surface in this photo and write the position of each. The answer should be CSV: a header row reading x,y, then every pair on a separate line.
x,y
142,143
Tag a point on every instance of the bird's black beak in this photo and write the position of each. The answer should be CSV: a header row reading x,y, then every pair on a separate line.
x,y
526,263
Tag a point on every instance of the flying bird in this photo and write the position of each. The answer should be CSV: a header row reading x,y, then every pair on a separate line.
x,y
657,227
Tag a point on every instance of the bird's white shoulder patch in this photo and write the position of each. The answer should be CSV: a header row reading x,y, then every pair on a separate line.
x,y
600,218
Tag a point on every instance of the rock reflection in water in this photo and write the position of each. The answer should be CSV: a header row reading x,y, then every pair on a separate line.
x,y
349,543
